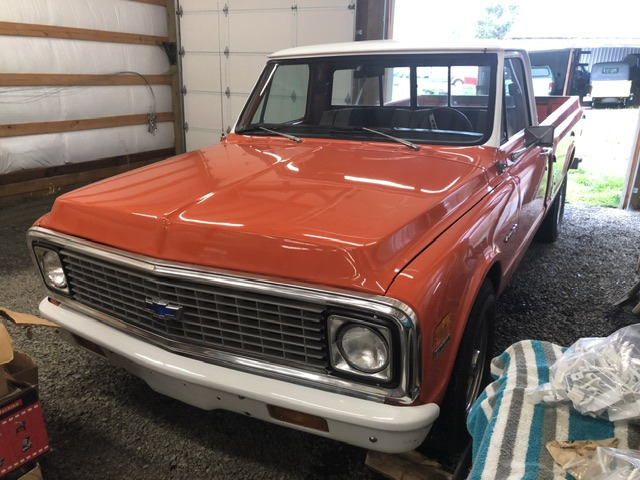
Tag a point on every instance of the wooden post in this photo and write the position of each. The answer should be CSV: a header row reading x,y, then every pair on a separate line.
x,y
631,191
569,73
372,19
176,84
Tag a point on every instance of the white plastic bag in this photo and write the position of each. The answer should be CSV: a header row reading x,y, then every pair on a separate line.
x,y
600,376
608,464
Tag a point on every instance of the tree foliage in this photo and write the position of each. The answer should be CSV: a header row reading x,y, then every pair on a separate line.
x,y
497,21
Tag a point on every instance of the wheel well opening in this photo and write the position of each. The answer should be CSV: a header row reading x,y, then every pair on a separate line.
x,y
494,275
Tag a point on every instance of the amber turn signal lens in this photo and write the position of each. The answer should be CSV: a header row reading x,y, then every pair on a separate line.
x,y
298,418
441,335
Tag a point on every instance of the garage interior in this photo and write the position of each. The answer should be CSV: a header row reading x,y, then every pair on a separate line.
x,y
92,88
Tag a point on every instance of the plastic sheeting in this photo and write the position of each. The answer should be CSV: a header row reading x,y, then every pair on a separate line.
x,y
44,104
61,56
109,15
38,151
55,55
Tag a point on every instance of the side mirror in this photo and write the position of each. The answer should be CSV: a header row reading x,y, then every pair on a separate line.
x,y
535,136
538,136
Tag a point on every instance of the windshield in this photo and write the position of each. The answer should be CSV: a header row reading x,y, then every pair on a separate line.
x,y
436,98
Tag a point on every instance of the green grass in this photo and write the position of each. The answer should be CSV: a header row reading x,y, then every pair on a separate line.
x,y
594,189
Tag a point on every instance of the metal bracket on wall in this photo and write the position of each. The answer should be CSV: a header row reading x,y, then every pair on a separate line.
x,y
227,92
294,7
153,124
181,52
179,11
226,52
352,6
184,89
225,10
186,126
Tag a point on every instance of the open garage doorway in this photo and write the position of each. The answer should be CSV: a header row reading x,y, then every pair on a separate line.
x,y
606,147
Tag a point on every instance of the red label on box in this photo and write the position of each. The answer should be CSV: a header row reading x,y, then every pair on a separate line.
x,y
23,436
10,407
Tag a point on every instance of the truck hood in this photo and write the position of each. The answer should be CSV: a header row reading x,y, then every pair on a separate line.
x,y
343,214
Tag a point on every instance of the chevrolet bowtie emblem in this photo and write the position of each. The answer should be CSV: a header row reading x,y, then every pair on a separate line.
x,y
162,309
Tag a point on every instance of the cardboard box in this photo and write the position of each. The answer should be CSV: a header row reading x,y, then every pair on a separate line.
x,y
23,437
35,474
6,356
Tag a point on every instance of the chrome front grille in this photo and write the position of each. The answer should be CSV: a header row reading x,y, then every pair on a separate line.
x,y
253,324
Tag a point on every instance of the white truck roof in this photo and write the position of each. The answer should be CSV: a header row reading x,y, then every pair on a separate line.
x,y
384,47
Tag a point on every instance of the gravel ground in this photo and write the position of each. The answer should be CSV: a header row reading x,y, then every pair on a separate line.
x,y
105,424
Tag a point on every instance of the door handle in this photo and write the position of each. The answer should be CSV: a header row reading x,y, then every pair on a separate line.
x,y
546,151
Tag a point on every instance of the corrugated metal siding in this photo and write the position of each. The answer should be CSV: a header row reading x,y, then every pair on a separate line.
x,y
610,54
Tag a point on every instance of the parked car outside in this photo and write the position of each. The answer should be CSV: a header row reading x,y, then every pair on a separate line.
x,y
611,84
542,80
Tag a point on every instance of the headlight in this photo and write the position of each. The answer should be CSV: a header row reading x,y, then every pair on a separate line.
x,y
363,348
360,348
51,268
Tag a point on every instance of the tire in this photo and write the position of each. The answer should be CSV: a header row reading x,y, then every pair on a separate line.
x,y
551,226
469,376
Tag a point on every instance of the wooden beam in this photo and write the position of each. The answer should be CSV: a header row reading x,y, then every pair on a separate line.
x,y
53,185
38,128
372,20
21,176
53,31
70,79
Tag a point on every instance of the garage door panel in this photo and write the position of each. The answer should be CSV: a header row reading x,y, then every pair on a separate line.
x,y
342,4
265,31
197,139
199,32
203,110
260,5
250,29
202,5
202,71
244,71
236,104
325,26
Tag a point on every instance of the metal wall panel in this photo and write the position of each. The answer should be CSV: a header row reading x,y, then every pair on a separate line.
x,y
610,54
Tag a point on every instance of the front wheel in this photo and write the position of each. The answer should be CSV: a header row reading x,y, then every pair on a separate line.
x,y
469,376
552,224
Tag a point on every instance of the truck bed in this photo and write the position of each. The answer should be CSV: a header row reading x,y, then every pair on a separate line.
x,y
545,106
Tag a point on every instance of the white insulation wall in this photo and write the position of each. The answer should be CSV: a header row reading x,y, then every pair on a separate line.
x,y
62,56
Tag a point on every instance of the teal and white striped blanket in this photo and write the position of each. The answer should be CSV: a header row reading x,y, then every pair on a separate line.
x,y
510,433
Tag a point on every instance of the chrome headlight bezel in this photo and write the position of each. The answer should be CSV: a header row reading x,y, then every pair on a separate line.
x,y
51,268
338,326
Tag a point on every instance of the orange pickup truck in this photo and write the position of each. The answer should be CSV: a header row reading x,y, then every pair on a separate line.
x,y
332,264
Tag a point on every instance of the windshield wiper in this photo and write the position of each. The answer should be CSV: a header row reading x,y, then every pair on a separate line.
x,y
407,143
282,134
